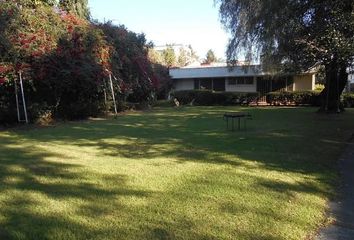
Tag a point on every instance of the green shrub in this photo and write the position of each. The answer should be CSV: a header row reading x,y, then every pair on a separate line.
x,y
209,98
294,98
8,112
164,103
348,100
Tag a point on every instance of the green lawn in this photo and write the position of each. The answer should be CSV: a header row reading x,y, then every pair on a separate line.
x,y
172,174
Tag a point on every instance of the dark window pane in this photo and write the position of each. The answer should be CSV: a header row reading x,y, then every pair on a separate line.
x,y
206,84
240,80
196,84
249,80
219,84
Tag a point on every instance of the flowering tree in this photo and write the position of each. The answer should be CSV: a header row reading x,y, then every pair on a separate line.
x,y
131,63
62,55
65,59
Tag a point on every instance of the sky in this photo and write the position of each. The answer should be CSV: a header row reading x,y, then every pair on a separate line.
x,y
194,22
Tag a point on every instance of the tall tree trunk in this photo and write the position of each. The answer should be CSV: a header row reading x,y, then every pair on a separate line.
x,y
336,80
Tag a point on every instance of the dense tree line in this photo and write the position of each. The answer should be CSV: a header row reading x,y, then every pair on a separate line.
x,y
65,60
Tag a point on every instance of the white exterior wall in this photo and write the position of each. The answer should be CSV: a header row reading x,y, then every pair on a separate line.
x,y
183,84
241,87
304,82
183,78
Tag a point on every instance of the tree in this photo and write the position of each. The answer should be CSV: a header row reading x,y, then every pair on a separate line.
x,y
169,56
182,57
294,36
61,56
192,54
155,56
131,63
210,57
77,7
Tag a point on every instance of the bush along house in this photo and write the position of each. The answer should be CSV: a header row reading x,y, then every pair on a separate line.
x,y
239,79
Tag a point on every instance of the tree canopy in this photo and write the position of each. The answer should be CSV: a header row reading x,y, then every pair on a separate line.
x,y
65,60
294,35
210,57
78,7
169,56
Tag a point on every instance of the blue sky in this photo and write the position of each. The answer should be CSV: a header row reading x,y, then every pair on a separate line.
x,y
194,22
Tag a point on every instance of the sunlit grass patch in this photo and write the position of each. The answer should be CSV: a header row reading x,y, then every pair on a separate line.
x,y
172,174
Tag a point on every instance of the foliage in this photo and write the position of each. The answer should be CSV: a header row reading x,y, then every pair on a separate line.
x,y
182,57
62,57
210,98
294,36
192,54
210,57
169,57
130,63
7,108
155,56
348,100
66,61
319,87
294,98
164,103
77,7
165,81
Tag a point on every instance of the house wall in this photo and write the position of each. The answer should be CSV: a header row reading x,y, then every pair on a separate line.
x,y
183,84
241,88
188,84
304,82
301,83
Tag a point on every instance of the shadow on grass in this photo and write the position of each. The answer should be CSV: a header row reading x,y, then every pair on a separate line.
x,y
29,181
276,140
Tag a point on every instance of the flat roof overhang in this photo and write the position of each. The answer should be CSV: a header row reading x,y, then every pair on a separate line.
x,y
216,72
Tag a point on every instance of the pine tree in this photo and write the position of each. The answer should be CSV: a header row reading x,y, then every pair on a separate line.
x,y
210,57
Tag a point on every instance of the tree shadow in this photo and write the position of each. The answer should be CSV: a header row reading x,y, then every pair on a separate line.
x,y
29,181
185,136
202,136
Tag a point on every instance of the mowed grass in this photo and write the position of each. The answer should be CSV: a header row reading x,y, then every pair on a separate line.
x,y
172,174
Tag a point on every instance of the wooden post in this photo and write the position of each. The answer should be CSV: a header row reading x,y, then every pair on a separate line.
x,y
17,102
114,98
23,97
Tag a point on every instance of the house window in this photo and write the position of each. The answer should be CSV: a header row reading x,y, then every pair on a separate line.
x,y
219,84
206,84
196,84
232,81
241,81
249,80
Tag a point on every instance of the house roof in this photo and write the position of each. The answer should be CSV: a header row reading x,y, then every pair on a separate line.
x,y
220,70
216,70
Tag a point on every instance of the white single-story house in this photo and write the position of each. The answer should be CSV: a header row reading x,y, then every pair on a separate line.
x,y
239,78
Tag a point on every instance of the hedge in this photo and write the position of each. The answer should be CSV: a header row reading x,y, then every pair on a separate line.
x,y
311,98
209,98
348,100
